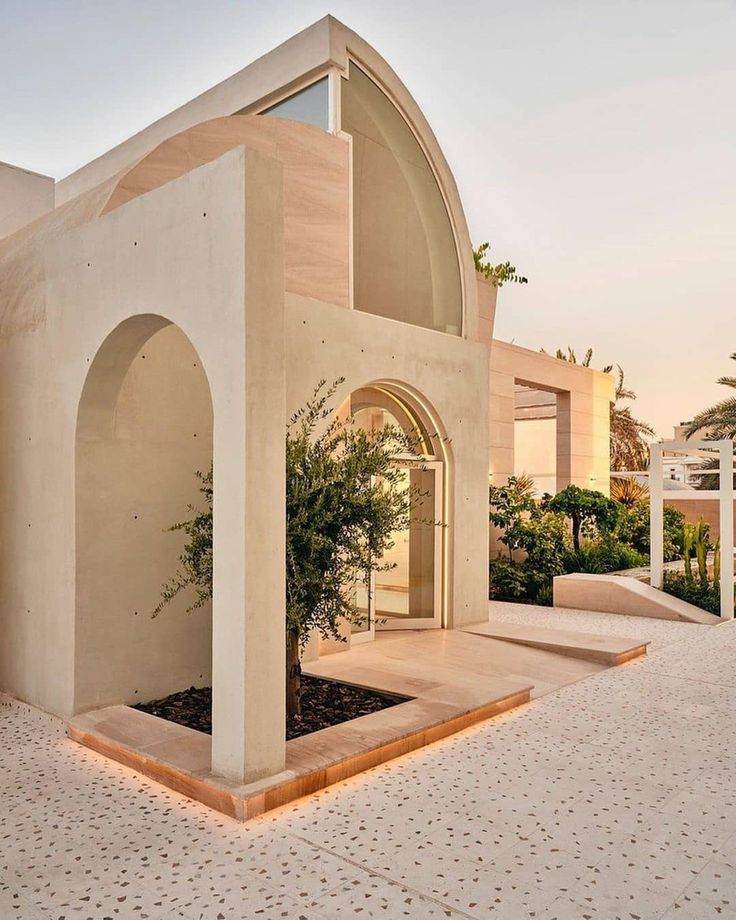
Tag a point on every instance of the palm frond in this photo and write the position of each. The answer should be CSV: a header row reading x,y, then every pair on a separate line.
x,y
628,492
721,416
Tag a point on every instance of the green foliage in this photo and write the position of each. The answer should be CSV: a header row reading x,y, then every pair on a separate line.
x,y
508,580
509,506
345,501
611,537
571,357
590,512
702,591
545,596
633,529
707,596
195,561
546,539
542,535
606,555
696,540
718,422
499,274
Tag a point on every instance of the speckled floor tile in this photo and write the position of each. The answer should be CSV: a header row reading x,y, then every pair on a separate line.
x,y
611,797
370,896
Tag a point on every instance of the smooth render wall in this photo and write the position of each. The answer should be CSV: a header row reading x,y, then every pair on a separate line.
x,y
584,397
158,255
445,374
535,452
24,196
135,477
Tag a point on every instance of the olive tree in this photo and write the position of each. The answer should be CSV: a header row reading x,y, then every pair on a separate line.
x,y
345,501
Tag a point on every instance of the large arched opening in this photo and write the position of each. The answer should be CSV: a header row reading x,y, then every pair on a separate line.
x,y
412,593
144,427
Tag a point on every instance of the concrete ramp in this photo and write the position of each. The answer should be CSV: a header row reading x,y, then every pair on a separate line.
x,y
624,595
608,650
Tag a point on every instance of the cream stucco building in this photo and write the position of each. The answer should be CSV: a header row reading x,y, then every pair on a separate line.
x,y
170,305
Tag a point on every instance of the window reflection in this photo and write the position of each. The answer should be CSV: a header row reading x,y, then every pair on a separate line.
x,y
405,259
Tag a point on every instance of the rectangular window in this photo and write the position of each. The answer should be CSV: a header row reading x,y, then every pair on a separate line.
x,y
310,105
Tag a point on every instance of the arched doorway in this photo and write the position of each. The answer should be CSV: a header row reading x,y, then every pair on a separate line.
x,y
144,427
409,595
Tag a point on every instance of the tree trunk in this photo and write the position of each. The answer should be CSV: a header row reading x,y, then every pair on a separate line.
x,y
576,523
293,676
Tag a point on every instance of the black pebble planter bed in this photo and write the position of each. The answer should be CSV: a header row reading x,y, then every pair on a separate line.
x,y
324,703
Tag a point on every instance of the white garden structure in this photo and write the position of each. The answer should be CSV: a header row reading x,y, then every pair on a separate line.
x,y
724,495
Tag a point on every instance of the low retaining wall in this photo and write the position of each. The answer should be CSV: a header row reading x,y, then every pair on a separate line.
x,y
624,595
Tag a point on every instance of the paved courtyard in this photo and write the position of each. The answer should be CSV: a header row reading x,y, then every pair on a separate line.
x,y
611,797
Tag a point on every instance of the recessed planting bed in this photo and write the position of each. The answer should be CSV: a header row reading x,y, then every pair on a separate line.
x,y
324,703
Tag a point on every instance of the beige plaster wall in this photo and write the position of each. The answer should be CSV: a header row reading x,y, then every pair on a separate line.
x,y
535,451
487,298
219,277
448,376
24,196
323,48
134,479
204,251
315,186
583,414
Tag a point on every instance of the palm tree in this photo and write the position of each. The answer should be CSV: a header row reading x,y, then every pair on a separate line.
x,y
720,419
629,435
628,492
717,423
629,444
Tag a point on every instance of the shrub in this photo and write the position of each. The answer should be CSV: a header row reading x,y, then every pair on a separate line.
x,y
633,529
605,555
546,539
707,596
508,580
545,596
542,535
591,513
509,506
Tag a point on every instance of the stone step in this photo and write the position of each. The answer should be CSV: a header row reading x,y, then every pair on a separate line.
x,y
609,650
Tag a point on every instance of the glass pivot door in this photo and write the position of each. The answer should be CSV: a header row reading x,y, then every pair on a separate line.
x,y
409,595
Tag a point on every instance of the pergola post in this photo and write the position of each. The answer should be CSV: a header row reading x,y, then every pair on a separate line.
x,y
656,517
725,465
725,496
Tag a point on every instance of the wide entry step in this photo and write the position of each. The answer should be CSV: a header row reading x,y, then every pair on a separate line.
x,y
609,650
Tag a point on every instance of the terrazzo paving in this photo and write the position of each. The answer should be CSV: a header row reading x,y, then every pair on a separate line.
x,y
611,797
658,632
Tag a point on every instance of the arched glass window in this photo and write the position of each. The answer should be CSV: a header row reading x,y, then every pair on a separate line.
x,y
373,408
405,590
405,259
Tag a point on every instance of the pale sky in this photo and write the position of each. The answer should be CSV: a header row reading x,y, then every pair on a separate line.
x,y
593,144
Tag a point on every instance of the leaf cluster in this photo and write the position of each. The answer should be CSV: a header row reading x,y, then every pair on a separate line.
x,y
346,498
195,561
498,275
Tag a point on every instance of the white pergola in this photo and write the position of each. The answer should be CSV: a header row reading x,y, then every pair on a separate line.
x,y
724,495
